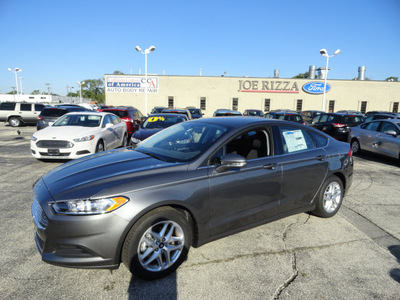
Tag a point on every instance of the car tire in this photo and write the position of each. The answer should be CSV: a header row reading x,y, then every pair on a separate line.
x,y
99,146
124,141
15,121
158,243
355,146
330,198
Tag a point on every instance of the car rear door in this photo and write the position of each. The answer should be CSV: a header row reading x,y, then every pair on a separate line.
x,y
304,166
368,136
243,196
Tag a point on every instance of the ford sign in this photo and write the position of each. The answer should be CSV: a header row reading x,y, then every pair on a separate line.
x,y
316,88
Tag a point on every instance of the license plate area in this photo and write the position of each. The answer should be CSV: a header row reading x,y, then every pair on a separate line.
x,y
53,152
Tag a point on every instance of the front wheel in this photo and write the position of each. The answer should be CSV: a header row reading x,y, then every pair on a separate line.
x,y
157,244
99,147
330,198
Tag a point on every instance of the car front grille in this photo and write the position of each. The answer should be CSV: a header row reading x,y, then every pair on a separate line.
x,y
54,144
38,215
52,155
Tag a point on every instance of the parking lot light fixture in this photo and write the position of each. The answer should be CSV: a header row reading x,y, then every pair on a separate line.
x,y
325,53
80,89
145,52
16,70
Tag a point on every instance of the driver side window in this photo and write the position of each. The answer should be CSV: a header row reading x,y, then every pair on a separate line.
x,y
251,145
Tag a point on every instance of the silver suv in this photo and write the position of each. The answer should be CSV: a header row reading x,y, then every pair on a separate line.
x,y
19,113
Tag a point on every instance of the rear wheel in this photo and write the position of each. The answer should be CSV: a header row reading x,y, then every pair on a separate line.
x,y
15,121
157,244
355,146
330,198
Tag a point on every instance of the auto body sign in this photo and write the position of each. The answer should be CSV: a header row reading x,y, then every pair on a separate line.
x,y
134,84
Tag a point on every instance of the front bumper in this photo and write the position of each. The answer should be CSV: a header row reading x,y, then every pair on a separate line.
x,y
79,149
90,241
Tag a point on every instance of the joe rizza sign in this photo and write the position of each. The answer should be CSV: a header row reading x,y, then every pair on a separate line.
x,y
125,84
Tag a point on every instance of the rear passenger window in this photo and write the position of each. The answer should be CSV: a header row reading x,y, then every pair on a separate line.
x,y
320,141
373,126
295,139
25,107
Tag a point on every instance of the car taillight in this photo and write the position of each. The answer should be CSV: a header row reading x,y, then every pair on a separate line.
x,y
338,125
304,123
350,152
40,118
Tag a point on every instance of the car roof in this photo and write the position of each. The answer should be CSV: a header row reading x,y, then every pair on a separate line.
x,y
89,113
167,115
394,121
239,121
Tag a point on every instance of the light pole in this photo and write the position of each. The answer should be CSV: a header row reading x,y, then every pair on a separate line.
x,y
80,88
16,70
325,53
20,83
145,52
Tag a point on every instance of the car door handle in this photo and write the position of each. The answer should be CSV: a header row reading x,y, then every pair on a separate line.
x,y
271,166
321,157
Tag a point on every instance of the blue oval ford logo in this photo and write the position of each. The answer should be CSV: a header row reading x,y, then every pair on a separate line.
x,y
316,87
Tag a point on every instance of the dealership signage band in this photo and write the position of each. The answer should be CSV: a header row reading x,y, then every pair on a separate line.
x,y
280,86
118,84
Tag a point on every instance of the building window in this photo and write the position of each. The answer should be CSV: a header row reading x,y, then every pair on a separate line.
x,y
267,105
31,97
363,108
331,105
235,103
395,107
299,105
42,97
203,103
170,102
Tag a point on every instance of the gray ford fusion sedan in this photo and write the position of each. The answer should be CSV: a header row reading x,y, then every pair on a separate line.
x,y
185,186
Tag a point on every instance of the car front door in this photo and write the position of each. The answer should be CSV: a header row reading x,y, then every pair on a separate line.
x,y
248,195
368,136
108,133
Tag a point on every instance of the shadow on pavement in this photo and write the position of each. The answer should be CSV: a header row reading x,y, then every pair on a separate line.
x,y
164,288
378,158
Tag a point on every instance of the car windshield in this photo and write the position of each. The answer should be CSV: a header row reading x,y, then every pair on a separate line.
x,y
182,142
293,118
79,120
255,113
194,111
352,119
160,122
119,113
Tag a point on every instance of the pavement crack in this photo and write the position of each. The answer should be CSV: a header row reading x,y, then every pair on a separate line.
x,y
288,281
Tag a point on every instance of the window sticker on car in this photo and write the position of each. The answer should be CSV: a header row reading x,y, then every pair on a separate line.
x,y
294,140
155,119
94,118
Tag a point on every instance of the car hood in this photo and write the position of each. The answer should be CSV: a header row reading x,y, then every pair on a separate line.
x,y
106,173
143,134
64,132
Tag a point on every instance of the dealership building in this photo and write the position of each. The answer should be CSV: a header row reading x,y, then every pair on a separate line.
x,y
241,93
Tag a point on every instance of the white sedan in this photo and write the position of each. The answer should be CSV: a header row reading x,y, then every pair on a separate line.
x,y
78,134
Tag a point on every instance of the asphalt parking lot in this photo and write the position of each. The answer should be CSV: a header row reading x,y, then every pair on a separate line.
x,y
354,255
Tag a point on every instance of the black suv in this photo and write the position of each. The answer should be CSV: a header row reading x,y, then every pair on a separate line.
x,y
51,114
309,115
337,125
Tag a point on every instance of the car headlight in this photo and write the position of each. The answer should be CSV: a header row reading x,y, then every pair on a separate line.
x,y
33,139
135,140
84,139
89,206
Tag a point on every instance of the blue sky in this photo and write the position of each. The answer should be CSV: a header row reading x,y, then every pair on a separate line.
x,y
60,42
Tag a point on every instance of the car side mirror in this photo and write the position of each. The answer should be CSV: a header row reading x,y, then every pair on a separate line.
x,y
231,161
109,125
392,133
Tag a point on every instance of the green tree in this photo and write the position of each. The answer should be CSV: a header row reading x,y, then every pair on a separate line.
x,y
118,73
35,92
93,89
392,78
302,75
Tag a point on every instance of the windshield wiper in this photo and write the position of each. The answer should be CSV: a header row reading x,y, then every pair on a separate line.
x,y
151,155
